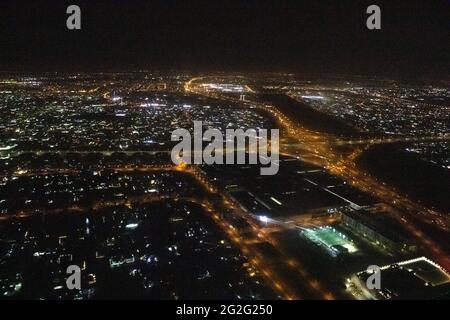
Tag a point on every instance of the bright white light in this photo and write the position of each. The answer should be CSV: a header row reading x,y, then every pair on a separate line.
x,y
132,226
263,219
313,97
350,247
276,201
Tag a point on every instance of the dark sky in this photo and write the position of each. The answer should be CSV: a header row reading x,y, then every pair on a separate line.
x,y
255,35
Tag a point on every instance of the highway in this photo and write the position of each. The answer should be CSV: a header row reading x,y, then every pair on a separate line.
x,y
284,273
321,149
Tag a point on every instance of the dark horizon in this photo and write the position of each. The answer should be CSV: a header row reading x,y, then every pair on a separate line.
x,y
252,36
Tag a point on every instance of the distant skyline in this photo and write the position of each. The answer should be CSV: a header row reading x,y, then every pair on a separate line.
x,y
253,35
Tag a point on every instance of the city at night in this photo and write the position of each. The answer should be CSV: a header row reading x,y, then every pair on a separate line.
x,y
224,155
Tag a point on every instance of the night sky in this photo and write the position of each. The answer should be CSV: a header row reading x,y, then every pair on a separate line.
x,y
246,35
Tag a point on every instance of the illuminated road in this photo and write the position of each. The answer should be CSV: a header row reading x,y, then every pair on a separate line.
x,y
313,147
261,235
320,149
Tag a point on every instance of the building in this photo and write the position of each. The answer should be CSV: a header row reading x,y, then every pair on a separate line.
x,y
378,227
419,278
